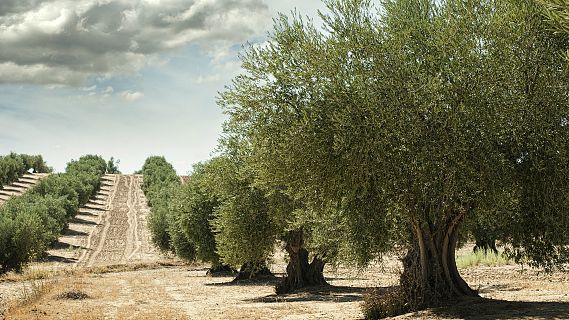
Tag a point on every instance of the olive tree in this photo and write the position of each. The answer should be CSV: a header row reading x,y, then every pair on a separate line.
x,y
193,208
244,230
160,182
411,119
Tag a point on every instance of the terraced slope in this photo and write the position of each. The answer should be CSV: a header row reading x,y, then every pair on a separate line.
x,y
19,187
111,229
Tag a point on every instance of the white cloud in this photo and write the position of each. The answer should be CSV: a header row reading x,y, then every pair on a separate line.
x,y
70,41
132,96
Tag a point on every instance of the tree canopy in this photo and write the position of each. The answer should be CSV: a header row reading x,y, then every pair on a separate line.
x,y
410,120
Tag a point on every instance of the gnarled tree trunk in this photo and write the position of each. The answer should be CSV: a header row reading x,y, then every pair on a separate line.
x,y
430,276
300,273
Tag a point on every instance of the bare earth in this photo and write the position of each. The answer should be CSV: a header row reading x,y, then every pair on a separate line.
x,y
20,186
104,267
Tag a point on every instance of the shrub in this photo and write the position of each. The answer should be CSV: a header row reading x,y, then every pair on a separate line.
x,y
379,305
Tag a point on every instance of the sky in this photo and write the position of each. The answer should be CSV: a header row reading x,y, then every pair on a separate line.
x,y
124,78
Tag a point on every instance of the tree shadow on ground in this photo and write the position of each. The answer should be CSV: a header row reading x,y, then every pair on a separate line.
x,y
71,232
499,287
58,245
223,274
92,206
82,221
483,308
346,279
262,282
316,294
50,258
89,213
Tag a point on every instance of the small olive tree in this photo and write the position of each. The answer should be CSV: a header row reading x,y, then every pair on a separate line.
x,y
244,231
193,209
160,185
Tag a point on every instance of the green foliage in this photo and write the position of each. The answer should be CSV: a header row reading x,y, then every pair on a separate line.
x,y
217,216
557,11
30,223
160,184
89,164
193,210
20,240
112,166
157,173
423,114
36,163
14,165
245,229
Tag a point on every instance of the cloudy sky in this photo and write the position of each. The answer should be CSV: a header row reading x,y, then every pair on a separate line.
x,y
123,78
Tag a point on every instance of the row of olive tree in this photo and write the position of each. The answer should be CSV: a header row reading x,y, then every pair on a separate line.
x,y
405,124
181,215
220,216
14,165
159,185
30,223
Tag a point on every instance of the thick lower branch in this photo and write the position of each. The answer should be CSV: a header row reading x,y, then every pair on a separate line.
x,y
300,273
430,275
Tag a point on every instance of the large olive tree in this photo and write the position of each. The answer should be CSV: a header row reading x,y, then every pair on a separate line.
x,y
411,119
254,216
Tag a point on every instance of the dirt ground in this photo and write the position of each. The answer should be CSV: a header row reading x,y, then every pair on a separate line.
x,y
19,187
106,268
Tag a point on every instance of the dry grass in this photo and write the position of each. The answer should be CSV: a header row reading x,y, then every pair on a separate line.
x,y
482,258
42,273
173,290
30,294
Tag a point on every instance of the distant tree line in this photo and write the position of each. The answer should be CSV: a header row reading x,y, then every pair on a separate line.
x,y
15,165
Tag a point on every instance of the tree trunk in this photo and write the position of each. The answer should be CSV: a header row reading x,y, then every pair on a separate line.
x,y
300,273
258,270
430,276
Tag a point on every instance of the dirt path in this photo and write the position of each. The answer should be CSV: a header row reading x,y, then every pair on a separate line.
x,y
186,292
110,229
122,236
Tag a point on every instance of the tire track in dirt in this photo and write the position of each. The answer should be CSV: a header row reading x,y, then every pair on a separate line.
x,y
73,246
111,192
134,219
123,238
